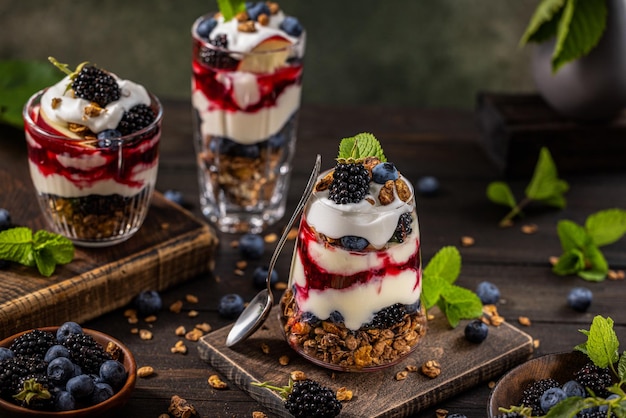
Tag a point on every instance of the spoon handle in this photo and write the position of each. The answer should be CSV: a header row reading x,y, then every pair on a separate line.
x,y
296,214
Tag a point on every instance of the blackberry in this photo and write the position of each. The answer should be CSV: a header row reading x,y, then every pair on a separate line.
x,y
595,378
311,400
216,57
34,343
135,119
350,183
403,229
86,352
387,317
10,372
532,394
96,85
595,414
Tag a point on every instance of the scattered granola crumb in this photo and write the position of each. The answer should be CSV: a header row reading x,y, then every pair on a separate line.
x,y
524,320
441,413
133,320
180,331
193,313
529,228
150,319
134,330
270,238
194,335
411,368
265,348
283,360
204,327
164,416
616,274
292,234
113,350
431,369
297,375
180,408
179,348
130,312
234,244
430,317
553,260
216,382
467,241
239,272
496,320
343,394
491,384
145,371
191,298
401,375
280,286
258,414
165,226
177,306
145,334
536,343
241,264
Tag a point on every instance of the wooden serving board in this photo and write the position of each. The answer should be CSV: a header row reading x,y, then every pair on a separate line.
x,y
376,394
171,247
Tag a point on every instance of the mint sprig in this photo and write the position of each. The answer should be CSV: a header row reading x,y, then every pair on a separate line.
x,y
360,146
41,249
577,26
545,187
229,8
581,244
438,288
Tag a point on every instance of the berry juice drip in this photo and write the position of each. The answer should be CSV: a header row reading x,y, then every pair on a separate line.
x,y
119,163
319,279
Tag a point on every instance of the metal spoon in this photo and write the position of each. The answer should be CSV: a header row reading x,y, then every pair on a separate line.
x,y
260,306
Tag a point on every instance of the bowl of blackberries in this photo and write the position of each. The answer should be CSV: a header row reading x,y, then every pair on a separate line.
x,y
538,385
65,371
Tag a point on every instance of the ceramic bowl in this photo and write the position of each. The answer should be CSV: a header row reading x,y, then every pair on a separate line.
x,y
560,367
116,401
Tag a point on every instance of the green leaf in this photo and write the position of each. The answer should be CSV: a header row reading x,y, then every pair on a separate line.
x,y
543,23
431,289
446,264
580,28
607,226
567,407
459,303
572,235
44,260
621,367
500,193
18,81
571,262
602,342
362,145
60,248
545,184
16,244
229,8
596,267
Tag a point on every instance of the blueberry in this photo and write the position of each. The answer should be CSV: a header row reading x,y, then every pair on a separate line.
x,y
254,9
579,299
108,138
309,318
101,392
205,27
573,388
6,354
383,172
353,243
551,397
259,277
174,196
488,293
413,307
291,26
476,331
64,401
5,219
605,408
113,373
428,186
336,317
66,329
148,302
277,140
251,246
60,370
80,386
230,306
56,351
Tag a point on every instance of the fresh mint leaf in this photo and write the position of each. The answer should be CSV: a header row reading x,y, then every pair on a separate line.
x,y
543,23
595,263
500,193
446,264
570,262
607,226
362,145
621,367
431,289
229,8
19,81
580,28
572,235
545,184
602,343
459,303
43,249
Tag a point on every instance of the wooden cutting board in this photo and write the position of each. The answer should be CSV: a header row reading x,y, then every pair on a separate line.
x,y
376,394
171,247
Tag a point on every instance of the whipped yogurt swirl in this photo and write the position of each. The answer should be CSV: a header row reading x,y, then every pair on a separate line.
x,y
70,109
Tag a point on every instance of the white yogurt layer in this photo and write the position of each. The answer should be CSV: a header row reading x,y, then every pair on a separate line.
x,y
72,110
247,127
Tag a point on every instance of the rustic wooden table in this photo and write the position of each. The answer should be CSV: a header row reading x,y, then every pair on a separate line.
x,y
443,143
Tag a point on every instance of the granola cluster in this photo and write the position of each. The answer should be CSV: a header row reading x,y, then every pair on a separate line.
x,y
334,344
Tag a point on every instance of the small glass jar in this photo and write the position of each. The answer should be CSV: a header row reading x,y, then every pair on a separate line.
x,y
354,305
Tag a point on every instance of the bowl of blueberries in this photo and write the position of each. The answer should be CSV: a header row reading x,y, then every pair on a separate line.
x,y
65,371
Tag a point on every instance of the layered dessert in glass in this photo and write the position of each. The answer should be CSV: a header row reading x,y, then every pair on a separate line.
x,y
246,87
353,301
92,143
